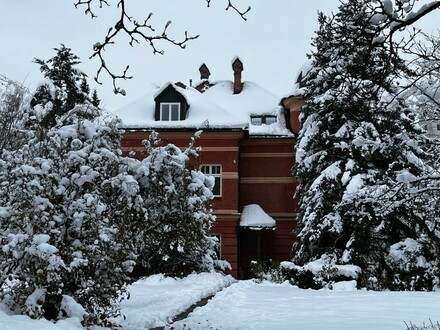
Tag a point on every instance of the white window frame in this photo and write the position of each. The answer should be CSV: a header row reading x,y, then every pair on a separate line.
x,y
210,171
170,107
258,120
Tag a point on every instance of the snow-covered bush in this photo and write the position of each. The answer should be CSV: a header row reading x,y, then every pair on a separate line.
x,y
412,269
14,100
318,274
75,214
266,269
59,235
176,198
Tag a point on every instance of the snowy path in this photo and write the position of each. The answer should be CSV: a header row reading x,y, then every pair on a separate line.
x,y
248,305
156,300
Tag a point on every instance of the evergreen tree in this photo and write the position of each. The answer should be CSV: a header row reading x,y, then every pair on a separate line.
x,y
176,196
60,236
84,87
357,145
64,88
95,99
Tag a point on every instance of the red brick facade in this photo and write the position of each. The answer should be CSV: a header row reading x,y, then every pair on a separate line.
x,y
255,158
254,171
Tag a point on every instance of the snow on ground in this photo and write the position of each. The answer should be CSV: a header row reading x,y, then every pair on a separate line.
x,y
248,305
21,322
155,300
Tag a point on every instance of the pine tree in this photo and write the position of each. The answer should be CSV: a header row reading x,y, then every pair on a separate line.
x,y
63,90
95,99
84,87
356,146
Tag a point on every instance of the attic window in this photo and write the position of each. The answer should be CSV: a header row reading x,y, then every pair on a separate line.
x,y
170,111
260,120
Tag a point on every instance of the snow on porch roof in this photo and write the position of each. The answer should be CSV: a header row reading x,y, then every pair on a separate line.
x,y
254,217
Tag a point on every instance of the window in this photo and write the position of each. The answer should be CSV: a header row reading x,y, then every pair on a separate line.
x,y
270,120
170,111
260,120
216,172
218,247
438,127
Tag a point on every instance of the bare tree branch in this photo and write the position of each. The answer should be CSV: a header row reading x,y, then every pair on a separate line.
x,y
242,13
137,32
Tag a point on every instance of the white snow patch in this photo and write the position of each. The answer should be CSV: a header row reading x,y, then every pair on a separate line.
x,y
248,305
344,286
253,216
218,107
353,187
154,301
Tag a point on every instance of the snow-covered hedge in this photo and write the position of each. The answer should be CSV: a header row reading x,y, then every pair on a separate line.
x,y
318,274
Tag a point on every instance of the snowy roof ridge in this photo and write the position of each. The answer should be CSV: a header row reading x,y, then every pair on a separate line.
x,y
303,71
202,113
217,108
162,88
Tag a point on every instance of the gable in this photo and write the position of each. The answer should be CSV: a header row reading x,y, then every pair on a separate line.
x,y
170,95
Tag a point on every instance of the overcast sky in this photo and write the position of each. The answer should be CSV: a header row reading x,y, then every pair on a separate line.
x,y
272,43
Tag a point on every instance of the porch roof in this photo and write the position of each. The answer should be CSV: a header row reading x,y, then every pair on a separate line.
x,y
254,217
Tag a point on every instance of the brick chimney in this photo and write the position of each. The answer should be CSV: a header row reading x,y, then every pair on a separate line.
x,y
204,72
237,67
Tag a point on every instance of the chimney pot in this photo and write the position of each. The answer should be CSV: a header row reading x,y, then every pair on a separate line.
x,y
204,72
237,67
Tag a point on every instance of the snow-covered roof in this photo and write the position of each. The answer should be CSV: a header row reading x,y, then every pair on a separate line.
x,y
254,217
302,72
202,112
216,108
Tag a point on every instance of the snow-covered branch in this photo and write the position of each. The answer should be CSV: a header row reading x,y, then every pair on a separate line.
x,y
412,17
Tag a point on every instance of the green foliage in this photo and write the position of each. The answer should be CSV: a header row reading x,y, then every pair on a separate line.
x,y
357,146
59,233
95,99
176,199
66,86
266,269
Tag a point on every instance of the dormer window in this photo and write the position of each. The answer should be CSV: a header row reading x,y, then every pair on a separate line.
x,y
264,119
171,104
170,111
